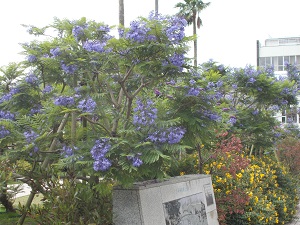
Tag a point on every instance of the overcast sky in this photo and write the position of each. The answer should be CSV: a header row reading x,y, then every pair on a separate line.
x,y
228,36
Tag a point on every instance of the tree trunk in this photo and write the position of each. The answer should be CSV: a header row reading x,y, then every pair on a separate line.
x,y
200,165
156,7
121,12
195,41
4,200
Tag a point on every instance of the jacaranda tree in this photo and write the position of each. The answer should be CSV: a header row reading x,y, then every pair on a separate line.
x,y
88,108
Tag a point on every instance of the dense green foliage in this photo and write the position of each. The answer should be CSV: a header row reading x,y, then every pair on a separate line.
x,y
87,110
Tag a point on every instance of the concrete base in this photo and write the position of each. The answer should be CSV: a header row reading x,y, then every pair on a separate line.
x,y
184,200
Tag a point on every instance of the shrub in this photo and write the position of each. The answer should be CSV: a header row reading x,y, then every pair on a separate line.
x,y
74,202
261,193
248,190
289,154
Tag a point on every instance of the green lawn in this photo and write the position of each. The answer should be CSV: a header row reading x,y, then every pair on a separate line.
x,y
12,218
23,200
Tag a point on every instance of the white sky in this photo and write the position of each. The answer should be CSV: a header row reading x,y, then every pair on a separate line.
x,y
229,34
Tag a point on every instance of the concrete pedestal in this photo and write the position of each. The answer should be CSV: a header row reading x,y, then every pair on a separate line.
x,y
184,200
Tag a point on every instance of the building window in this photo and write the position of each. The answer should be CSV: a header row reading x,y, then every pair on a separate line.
x,y
292,59
262,61
275,63
280,63
292,118
283,116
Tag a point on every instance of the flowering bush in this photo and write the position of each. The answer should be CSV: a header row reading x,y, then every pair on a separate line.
x,y
248,190
259,191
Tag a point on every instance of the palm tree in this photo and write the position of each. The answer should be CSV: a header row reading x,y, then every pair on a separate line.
x,y
189,10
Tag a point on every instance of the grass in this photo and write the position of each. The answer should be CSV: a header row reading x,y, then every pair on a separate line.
x,y
12,218
22,200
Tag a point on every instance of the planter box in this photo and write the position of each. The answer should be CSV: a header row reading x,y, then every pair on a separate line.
x,y
184,200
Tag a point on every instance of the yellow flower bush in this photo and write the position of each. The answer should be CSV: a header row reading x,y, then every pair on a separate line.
x,y
249,190
270,192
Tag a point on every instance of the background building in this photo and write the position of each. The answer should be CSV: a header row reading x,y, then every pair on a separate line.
x,y
276,52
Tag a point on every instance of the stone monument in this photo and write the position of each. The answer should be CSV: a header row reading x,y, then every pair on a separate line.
x,y
182,200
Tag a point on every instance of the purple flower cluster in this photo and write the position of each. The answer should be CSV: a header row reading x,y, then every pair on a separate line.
x,y
31,79
175,29
280,78
121,32
98,152
102,164
6,115
87,105
30,136
194,91
172,135
136,161
176,60
210,85
293,72
211,115
138,31
219,83
4,132
47,89
31,58
277,135
156,16
69,69
67,151
35,149
55,51
78,32
274,108
106,30
172,82
285,91
95,46
14,91
221,68
192,82
145,114
232,120
250,71
269,70
8,96
64,101
36,109
157,92
251,80
234,86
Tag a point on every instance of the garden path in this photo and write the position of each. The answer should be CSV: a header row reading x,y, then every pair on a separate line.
x,y
296,220
24,189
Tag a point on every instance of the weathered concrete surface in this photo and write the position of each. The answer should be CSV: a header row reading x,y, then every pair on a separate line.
x,y
179,200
